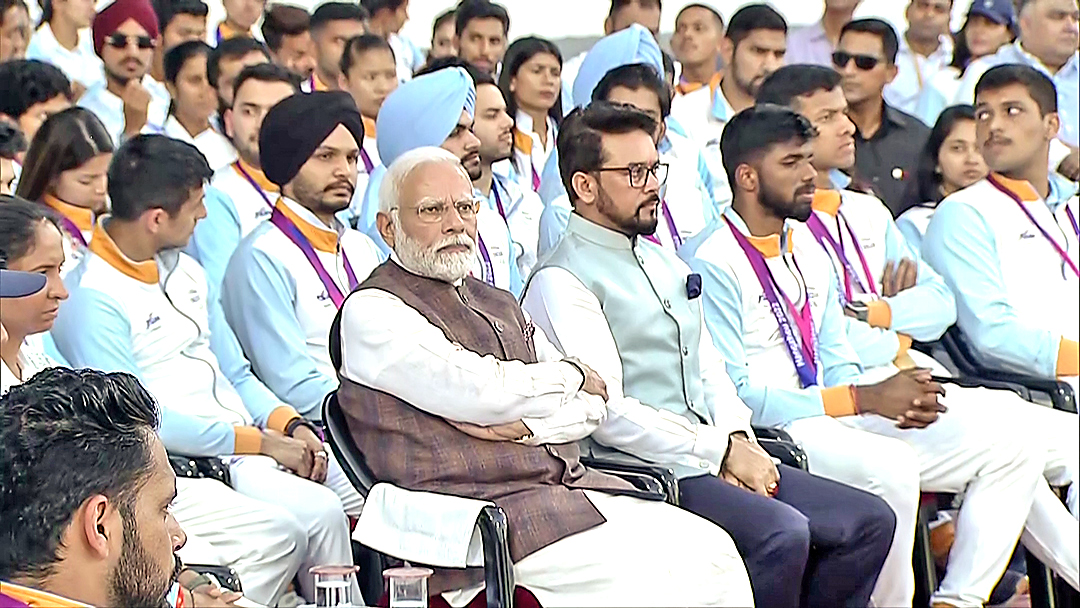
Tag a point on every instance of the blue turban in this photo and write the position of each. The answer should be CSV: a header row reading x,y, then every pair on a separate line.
x,y
632,45
423,112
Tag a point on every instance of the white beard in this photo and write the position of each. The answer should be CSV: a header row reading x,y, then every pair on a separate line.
x,y
428,262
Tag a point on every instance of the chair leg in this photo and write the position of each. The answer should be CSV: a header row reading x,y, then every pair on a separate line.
x,y
923,557
498,568
1042,584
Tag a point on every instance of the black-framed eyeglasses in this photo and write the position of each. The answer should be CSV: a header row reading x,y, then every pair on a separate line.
x,y
638,173
120,41
840,59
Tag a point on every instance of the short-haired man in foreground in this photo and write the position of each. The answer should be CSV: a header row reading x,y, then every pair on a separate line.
x,y
84,502
496,413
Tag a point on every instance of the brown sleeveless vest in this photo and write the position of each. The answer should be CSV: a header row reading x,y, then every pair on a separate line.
x,y
540,488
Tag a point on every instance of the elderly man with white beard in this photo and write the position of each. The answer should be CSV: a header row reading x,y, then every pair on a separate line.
x,y
447,387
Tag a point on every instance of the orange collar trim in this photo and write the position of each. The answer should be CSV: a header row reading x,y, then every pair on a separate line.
x,y
523,141
227,32
36,598
82,217
826,201
369,127
317,84
769,246
689,87
257,175
320,238
1019,187
105,248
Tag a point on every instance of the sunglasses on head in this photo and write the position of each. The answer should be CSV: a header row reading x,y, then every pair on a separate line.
x,y
120,41
840,59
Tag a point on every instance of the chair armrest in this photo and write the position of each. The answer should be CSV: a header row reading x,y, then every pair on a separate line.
x,y
498,568
787,452
771,432
225,576
649,478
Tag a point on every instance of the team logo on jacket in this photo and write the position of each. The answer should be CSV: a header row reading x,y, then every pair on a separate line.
x,y
323,297
1027,234
152,320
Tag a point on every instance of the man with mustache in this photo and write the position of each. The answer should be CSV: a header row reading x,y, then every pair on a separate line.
x,y
809,323
287,279
436,108
240,196
752,48
629,308
447,387
125,36
85,509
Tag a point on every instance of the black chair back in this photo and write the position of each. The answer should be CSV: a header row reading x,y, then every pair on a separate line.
x,y
349,457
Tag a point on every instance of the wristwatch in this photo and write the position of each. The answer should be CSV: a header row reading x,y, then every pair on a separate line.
x,y
859,310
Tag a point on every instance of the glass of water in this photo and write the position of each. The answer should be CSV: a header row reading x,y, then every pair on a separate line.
x,y
334,586
408,587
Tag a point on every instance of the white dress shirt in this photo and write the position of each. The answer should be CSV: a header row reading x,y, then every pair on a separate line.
x,y
385,342
915,72
564,308
80,64
32,359
110,110
218,151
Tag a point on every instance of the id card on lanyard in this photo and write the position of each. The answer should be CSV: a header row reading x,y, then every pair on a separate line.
x,y
802,350
293,233
826,240
1046,235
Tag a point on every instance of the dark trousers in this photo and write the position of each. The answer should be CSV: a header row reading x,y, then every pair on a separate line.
x,y
817,544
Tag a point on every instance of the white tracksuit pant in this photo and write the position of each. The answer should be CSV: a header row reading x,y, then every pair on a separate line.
x,y
647,553
980,448
271,527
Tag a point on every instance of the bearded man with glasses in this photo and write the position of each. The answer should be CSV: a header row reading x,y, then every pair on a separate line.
x,y
125,36
628,307
887,140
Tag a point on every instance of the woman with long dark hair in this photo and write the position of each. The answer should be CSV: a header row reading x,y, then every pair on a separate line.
x,y
531,82
65,170
949,161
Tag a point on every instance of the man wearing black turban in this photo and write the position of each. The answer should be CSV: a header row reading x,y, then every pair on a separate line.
x,y
286,279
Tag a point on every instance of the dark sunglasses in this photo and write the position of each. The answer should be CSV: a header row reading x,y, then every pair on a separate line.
x,y
840,59
120,41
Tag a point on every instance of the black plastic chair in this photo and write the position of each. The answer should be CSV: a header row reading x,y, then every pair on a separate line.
x,y
225,576
779,444
492,521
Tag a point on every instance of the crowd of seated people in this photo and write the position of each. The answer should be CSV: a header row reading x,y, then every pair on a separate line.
x,y
592,294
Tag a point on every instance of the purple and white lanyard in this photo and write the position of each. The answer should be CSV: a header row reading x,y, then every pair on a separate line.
x,y
289,228
368,165
826,240
676,238
803,351
1046,235
485,260
254,184
73,231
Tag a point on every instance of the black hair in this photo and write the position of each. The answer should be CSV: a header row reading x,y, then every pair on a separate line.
x,y
926,187
469,10
618,5
517,54
669,65
784,86
176,57
66,436
337,11
716,15
1038,85
359,45
890,44
26,82
635,76
447,15
374,6
12,140
751,18
19,220
167,10
757,129
232,48
266,72
281,20
580,142
478,76
154,172
65,141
